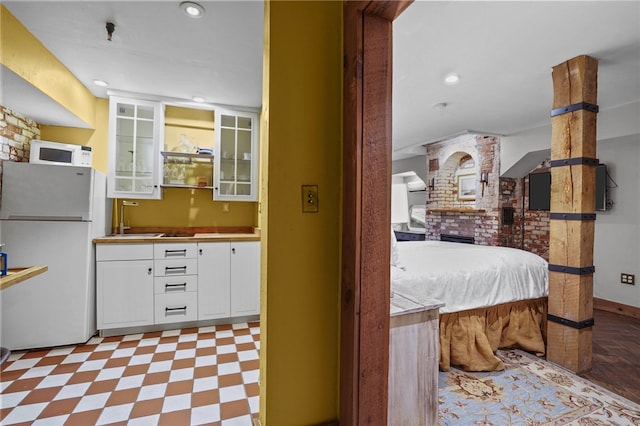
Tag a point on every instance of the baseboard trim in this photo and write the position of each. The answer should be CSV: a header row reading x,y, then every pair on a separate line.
x,y
618,308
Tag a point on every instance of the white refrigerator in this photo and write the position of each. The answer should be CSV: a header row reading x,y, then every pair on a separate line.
x,y
49,216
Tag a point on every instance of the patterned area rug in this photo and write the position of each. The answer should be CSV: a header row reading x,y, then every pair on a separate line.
x,y
530,391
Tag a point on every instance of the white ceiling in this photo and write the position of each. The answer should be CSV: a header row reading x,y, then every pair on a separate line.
x,y
504,52
155,49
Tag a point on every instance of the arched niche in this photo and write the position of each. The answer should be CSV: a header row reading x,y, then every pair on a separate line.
x,y
457,180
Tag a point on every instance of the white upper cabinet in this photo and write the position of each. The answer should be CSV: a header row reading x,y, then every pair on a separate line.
x,y
236,155
135,133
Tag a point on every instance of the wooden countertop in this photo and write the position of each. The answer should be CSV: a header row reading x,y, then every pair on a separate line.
x,y
162,237
16,275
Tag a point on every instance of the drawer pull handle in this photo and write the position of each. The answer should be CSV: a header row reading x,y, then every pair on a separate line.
x,y
175,269
181,308
182,252
175,286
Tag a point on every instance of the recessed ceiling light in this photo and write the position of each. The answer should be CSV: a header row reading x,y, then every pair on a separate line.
x,y
198,99
452,79
192,9
100,83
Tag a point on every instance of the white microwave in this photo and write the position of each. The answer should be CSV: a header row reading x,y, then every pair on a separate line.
x,y
61,154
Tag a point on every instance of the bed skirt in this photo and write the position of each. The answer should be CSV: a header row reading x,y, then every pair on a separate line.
x,y
469,339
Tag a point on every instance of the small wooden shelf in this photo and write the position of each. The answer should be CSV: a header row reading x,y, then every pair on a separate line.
x,y
16,275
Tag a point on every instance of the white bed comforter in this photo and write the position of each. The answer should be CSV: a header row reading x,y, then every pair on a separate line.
x,y
467,276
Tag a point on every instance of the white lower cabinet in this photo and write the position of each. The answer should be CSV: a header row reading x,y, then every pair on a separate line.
x,y
140,284
228,279
124,285
245,278
213,280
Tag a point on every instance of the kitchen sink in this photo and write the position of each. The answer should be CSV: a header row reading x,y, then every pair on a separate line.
x,y
178,234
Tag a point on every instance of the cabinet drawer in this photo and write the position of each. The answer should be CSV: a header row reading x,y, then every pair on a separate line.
x,y
176,307
175,267
176,285
124,251
174,250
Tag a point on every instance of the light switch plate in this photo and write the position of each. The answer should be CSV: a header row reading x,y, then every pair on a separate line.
x,y
310,199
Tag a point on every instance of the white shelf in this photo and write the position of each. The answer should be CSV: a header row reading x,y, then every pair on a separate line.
x,y
182,159
169,185
191,156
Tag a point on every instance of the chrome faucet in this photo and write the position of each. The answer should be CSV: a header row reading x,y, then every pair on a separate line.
x,y
125,203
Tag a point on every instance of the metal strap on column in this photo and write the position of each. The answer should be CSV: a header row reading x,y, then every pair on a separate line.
x,y
574,162
585,270
572,216
569,323
575,107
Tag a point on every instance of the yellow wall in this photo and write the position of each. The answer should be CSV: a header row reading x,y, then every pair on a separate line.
x,y
182,208
263,211
301,355
22,53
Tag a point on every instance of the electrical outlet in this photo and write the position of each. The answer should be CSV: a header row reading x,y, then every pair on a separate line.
x,y
627,279
309,198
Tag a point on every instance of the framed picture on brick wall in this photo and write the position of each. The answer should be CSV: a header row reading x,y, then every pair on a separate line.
x,y
467,187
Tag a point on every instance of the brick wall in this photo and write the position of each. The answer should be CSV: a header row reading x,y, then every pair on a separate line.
x,y
16,132
484,220
530,228
464,155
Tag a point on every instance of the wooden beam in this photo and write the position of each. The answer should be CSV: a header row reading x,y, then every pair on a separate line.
x,y
351,214
569,331
364,354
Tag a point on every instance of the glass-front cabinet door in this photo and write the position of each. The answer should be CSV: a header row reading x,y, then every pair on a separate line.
x,y
135,132
236,155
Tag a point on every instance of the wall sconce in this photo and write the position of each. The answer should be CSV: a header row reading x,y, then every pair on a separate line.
x,y
484,180
432,184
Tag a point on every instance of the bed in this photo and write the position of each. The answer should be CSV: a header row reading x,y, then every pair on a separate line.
x,y
495,297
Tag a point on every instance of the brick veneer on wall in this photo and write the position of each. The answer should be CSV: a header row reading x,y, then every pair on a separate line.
x,y
535,235
16,132
481,218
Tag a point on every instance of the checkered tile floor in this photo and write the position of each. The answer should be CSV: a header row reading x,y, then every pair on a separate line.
x,y
206,375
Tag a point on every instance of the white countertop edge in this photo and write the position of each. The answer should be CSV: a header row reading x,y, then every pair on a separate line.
x,y
402,305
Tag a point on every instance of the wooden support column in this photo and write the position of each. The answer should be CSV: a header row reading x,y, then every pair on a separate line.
x,y
573,160
366,220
